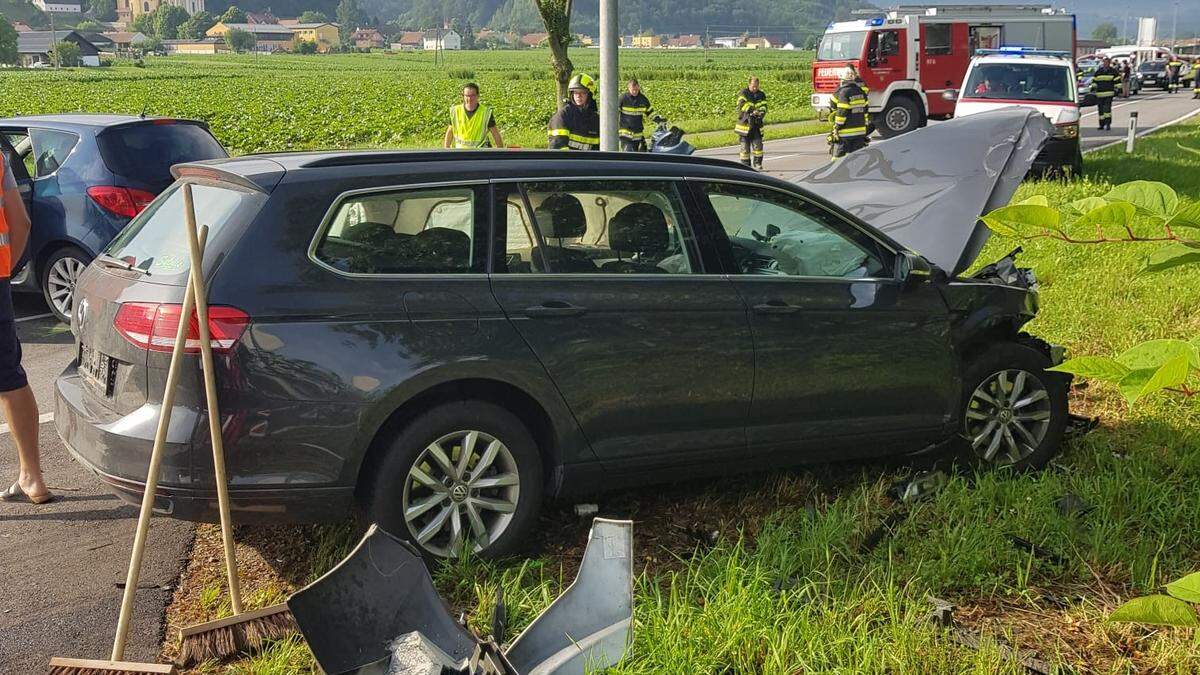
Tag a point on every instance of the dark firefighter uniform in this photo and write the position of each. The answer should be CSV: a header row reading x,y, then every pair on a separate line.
x,y
1174,69
752,108
851,120
1195,79
1104,85
575,128
635,110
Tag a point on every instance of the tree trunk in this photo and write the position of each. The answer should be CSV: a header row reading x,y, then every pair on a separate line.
x,y
556,15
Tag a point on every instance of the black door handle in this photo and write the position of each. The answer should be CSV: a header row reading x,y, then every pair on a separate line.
x,y
553,308
776,307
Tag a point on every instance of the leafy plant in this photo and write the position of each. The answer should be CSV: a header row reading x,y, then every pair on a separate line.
x,y
1138,211
1173,609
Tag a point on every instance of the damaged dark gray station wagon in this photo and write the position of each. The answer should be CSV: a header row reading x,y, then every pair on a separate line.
x,y
448,338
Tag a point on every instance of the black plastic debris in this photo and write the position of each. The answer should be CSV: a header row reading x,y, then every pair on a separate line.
x,y
1070,505
1038,551
1078,425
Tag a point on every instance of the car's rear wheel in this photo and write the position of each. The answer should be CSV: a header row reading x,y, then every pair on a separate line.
x,y
463,474
59,276
1014,411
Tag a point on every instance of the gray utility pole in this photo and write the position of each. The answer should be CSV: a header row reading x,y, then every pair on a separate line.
x,y
1174,20
609,74
54,41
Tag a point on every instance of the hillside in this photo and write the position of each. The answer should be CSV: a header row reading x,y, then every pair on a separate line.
x,y
22,10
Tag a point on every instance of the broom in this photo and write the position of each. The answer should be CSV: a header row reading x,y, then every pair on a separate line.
x,y
243,631
116,666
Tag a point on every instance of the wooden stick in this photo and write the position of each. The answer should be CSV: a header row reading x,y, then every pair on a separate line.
x,y
156,455
210,390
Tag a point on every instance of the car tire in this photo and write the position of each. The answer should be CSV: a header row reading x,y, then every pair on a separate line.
x,y
404,498
58,278
1020,434
1075,168
901,116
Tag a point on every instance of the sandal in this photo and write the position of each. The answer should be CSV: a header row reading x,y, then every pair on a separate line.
x,y
15,494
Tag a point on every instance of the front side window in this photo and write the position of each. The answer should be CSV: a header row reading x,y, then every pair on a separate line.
x,y
772,233
419,231
50,149
596,227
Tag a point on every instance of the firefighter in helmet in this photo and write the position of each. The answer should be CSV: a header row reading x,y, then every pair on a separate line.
x,y
471,122
1174,70
851,119
635,110
1104,86
752,108
576,125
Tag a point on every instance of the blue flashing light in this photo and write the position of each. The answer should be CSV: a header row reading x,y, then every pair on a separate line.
x,y
1022,51
878,21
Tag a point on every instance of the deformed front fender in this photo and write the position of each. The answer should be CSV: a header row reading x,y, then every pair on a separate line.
x,y
980,308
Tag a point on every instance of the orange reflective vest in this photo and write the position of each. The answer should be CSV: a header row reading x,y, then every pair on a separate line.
x,y
5,246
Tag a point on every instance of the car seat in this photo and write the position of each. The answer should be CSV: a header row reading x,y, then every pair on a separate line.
x,y
442,248
638,229
560,216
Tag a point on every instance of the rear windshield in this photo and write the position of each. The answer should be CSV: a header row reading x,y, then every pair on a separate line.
x,y
1021,82
841,46
146,152
156,241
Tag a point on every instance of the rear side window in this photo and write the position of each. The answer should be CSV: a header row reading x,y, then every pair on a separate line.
x,y
417,231
148,151
156,241
50,149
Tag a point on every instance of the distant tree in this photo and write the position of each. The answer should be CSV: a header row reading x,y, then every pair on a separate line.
x,y
144,24
556,15
468,37
306,46
8,42
151,45
89,26
103,10
240,40
234,15
68,54
311,16
167,20
1105,32
349,17
196,26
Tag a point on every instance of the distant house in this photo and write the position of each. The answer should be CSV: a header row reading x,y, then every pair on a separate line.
x,y
58,6
647,41
124,41
206,47
367,38
290,23
21,27
103,43
1088,47
268,37
446,39
685,42
265,17
788,47
534,39
409,40
34,46
757,43
729,42
324,34
487,34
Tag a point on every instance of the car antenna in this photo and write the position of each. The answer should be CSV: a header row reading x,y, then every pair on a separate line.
x,y
145,105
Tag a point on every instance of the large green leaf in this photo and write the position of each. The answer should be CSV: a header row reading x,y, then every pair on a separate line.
x,y
1145,381
1152,197
1086,204
1188,216
1094,368
1156,610
1187,588
1154,353
1023,220
1171,256
1112,219
1036,200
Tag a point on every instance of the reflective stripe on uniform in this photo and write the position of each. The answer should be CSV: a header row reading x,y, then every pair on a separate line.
x,y
630,134
742,128
559,132
852,131
5,248
1105,94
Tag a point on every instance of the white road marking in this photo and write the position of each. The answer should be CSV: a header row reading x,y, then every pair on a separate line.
x,y
1144,132
42,419
35,316
1122,105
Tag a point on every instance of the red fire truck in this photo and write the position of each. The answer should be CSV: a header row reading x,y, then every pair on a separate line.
x,y
910,55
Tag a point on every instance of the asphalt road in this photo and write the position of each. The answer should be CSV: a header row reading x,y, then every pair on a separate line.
x,y
793,157
60,563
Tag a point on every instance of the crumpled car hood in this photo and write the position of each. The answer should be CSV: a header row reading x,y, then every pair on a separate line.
x,y
927,189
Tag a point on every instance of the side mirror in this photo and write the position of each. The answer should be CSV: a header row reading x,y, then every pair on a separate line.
x,y
950,94
912,268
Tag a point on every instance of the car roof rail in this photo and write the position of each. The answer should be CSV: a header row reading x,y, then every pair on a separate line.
x,y
364,157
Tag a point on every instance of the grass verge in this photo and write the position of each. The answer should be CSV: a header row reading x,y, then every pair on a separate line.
x,y
771,574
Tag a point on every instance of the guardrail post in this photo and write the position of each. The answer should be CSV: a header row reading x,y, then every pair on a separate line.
x,y
1133,117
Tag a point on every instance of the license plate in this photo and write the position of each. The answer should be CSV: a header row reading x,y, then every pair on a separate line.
x,y
96,369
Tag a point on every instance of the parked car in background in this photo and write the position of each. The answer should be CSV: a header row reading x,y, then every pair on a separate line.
x,y
1153,74
445,338
84,177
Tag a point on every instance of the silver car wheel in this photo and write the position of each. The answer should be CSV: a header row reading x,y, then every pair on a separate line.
x,y
1008,417
61,281
462,488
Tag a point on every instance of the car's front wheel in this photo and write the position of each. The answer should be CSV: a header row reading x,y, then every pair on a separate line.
x,y
59,276
1014,410
466,474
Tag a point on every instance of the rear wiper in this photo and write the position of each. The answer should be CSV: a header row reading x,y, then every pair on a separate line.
x,y
109,261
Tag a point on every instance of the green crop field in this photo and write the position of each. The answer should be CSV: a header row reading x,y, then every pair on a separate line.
x,y
279,102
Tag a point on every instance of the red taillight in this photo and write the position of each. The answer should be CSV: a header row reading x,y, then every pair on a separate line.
x,y
125,202
152,326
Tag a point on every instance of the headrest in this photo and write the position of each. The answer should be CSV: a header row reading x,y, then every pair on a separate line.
x,y
639,228
561,216
368,233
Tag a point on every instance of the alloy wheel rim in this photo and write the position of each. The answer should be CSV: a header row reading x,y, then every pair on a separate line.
x,y
61,283
897,119
1008,417
463,487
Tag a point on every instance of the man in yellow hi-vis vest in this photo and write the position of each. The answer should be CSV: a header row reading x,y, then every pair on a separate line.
x,y
471,122
20,408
